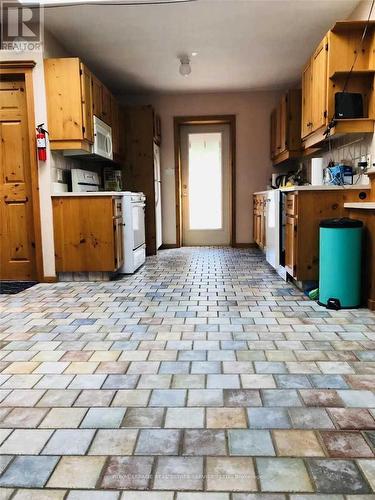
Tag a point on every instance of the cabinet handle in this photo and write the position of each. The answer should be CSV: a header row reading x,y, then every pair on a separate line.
x,y
308,124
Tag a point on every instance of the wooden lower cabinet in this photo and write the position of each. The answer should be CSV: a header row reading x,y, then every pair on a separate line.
x,y
303,212
88,233
291,246
259,219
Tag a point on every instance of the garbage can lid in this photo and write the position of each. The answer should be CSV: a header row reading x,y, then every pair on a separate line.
x,y
343,223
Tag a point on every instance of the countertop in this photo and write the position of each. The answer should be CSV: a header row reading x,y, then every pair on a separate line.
x,y
326,187
364,205
93,193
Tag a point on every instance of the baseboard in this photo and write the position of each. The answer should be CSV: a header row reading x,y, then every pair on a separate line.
x,y
168,246
244,245
49,279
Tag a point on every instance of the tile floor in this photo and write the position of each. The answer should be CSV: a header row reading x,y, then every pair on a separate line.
x,y
204,376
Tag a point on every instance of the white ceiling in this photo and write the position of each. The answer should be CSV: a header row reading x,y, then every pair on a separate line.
x,y
241,44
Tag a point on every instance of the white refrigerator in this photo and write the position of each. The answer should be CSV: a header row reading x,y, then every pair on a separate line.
x,y
157,182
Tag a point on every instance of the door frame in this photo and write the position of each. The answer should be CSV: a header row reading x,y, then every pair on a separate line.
x,y
179,121
25,69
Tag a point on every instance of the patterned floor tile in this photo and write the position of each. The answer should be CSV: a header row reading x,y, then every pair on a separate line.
x,y
65,475
28,472
346,444
127,473
283,474
222,418
69,442
293,443
205,365
337,476
204,442
158,442
102,418
179,473
234,474
189,418
250,443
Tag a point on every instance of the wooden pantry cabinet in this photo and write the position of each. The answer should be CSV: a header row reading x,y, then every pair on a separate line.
x,y
74,95
88,233
285,127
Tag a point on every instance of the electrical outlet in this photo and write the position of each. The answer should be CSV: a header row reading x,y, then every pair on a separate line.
x,y
368,159
60,174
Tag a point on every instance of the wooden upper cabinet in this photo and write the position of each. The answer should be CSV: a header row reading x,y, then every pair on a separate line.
x,y
115,123
283,105
102,101
86,103
97,101
273,134
64,99
106,106
306,122
319,86
336,57
286,126
74,95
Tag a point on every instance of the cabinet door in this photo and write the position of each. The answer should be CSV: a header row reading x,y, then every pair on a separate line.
x,y
262,235
278,129
118,240
115,127
97,97
86,91
306,125
283,122
273,135
106,105
319,86
122,133
290,245
64,98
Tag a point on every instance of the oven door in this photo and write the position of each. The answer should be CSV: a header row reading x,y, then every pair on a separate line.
x,y
138,216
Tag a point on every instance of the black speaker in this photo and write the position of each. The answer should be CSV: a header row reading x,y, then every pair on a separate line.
x,y
348,105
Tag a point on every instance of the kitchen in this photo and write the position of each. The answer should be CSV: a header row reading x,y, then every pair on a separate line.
x,y
96,142
181,182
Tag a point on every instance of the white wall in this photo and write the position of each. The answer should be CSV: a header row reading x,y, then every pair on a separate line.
x,y
252,110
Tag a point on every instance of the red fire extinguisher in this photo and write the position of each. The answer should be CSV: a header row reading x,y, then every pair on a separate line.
x,y
41,142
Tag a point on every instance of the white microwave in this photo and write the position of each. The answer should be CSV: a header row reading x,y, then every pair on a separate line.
x,y
101,147
102,139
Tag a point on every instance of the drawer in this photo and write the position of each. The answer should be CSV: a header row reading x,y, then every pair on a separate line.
x,y
291,204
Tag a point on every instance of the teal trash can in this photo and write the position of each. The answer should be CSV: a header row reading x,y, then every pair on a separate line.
x,y
340,263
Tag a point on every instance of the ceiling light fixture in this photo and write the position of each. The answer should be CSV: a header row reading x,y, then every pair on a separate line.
x,y
185,68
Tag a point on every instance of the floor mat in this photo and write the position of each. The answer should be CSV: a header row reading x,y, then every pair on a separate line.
x,y
13,287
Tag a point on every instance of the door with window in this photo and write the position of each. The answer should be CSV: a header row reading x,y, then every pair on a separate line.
x,y
17,246
206,185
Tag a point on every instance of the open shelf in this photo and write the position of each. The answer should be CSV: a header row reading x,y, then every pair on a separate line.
x,y
343,126
357,72
354,125
345,26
